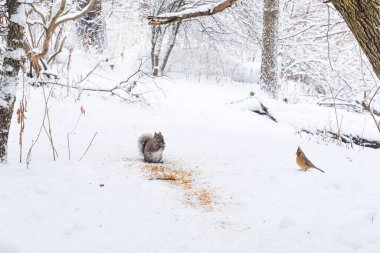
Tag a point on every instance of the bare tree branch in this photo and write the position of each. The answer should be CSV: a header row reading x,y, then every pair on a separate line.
x,y
201,11
39,13
58,51
76,15
58,19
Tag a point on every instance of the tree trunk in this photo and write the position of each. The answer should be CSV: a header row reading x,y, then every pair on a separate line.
x,y
363,19
172,40
91,27
9,74
158,32
160,53
157,38
269,65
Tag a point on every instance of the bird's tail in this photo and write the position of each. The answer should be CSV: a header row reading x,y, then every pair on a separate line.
x,y
143,139
319,169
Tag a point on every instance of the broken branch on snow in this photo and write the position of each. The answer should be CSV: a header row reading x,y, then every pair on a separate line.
x,y
345,138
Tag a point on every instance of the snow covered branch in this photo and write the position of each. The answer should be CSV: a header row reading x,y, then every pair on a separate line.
x,y
76,15
201,11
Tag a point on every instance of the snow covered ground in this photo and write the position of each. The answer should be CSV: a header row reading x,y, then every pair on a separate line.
x,y
269,205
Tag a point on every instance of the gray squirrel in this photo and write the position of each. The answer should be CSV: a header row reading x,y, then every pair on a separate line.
x,y
152,147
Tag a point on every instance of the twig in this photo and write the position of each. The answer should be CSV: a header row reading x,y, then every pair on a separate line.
x,y
48,133
371,111
82,112
51,58
29,156
89,146
327,35
68,145
91,71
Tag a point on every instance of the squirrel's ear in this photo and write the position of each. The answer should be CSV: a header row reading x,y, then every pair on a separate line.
x,y
155,134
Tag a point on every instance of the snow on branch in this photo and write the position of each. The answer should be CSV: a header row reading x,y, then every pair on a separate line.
x,y
76,15
201,11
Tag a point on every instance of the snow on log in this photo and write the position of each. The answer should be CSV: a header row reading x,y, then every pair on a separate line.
x,y
345,138
201,11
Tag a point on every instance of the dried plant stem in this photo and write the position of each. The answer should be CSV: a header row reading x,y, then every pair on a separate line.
x,y
68,145
21,115
29,155
89,145
71,132
48,131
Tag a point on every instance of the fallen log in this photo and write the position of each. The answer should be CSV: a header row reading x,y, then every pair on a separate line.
x,y
345,138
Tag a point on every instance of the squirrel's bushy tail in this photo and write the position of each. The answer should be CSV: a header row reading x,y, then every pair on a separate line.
x,y
143,139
